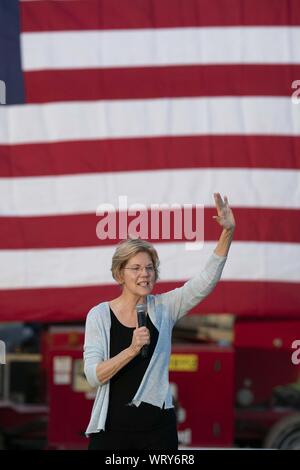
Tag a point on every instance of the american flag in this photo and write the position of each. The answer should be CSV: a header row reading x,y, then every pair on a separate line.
x,y
164,101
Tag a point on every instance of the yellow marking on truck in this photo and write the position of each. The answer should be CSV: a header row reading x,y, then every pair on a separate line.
x,y
183,363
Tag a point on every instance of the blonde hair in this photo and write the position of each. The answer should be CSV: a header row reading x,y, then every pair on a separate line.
x,y
126,249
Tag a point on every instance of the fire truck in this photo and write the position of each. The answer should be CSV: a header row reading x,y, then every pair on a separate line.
x,y
235,382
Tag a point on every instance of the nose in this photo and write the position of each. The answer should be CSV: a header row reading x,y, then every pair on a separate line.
x,y
144,273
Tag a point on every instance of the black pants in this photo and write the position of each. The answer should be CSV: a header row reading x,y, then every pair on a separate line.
x,y
164,438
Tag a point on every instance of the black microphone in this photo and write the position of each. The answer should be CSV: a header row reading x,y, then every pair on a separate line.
x,y
141,317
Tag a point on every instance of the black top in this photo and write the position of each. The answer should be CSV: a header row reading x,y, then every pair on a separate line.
x,y
125,383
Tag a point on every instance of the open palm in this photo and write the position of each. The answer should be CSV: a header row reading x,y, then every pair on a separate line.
x,y
225,216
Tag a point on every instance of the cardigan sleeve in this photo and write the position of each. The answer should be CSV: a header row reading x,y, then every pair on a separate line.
x,y
179,301
93,352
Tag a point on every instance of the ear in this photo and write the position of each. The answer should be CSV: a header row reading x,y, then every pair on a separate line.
x,y
120,279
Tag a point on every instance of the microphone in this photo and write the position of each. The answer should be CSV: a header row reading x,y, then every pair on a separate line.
x,y
141,317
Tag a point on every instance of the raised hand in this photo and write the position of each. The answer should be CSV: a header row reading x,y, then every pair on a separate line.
x,y
225,216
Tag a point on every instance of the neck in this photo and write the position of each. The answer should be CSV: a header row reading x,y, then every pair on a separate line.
x,y
129,301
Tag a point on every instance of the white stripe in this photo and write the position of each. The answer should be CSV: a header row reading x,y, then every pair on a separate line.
x,y
57,122
91,266
75,194
160,47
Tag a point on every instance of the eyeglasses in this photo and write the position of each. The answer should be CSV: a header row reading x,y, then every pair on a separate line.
x,y
138,269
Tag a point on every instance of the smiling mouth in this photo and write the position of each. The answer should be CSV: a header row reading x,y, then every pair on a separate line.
x,y
143,284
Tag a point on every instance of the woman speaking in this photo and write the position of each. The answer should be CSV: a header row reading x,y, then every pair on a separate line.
x,y
128,363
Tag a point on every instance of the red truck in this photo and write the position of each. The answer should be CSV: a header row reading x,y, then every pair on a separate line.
x,y
239,392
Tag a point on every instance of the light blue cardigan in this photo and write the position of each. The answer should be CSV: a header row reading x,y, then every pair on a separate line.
x,y
164,310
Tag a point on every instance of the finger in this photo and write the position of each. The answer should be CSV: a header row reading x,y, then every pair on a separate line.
x,y
144,334
218,201
226,200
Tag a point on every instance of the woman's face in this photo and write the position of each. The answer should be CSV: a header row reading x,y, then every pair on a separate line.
x,y
139,274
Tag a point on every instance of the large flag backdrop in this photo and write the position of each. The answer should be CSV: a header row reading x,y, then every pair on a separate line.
x,y
165,101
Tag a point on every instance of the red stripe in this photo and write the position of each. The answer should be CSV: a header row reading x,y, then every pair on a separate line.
x,y
80,230
278,152
131,14
71,304
159,82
